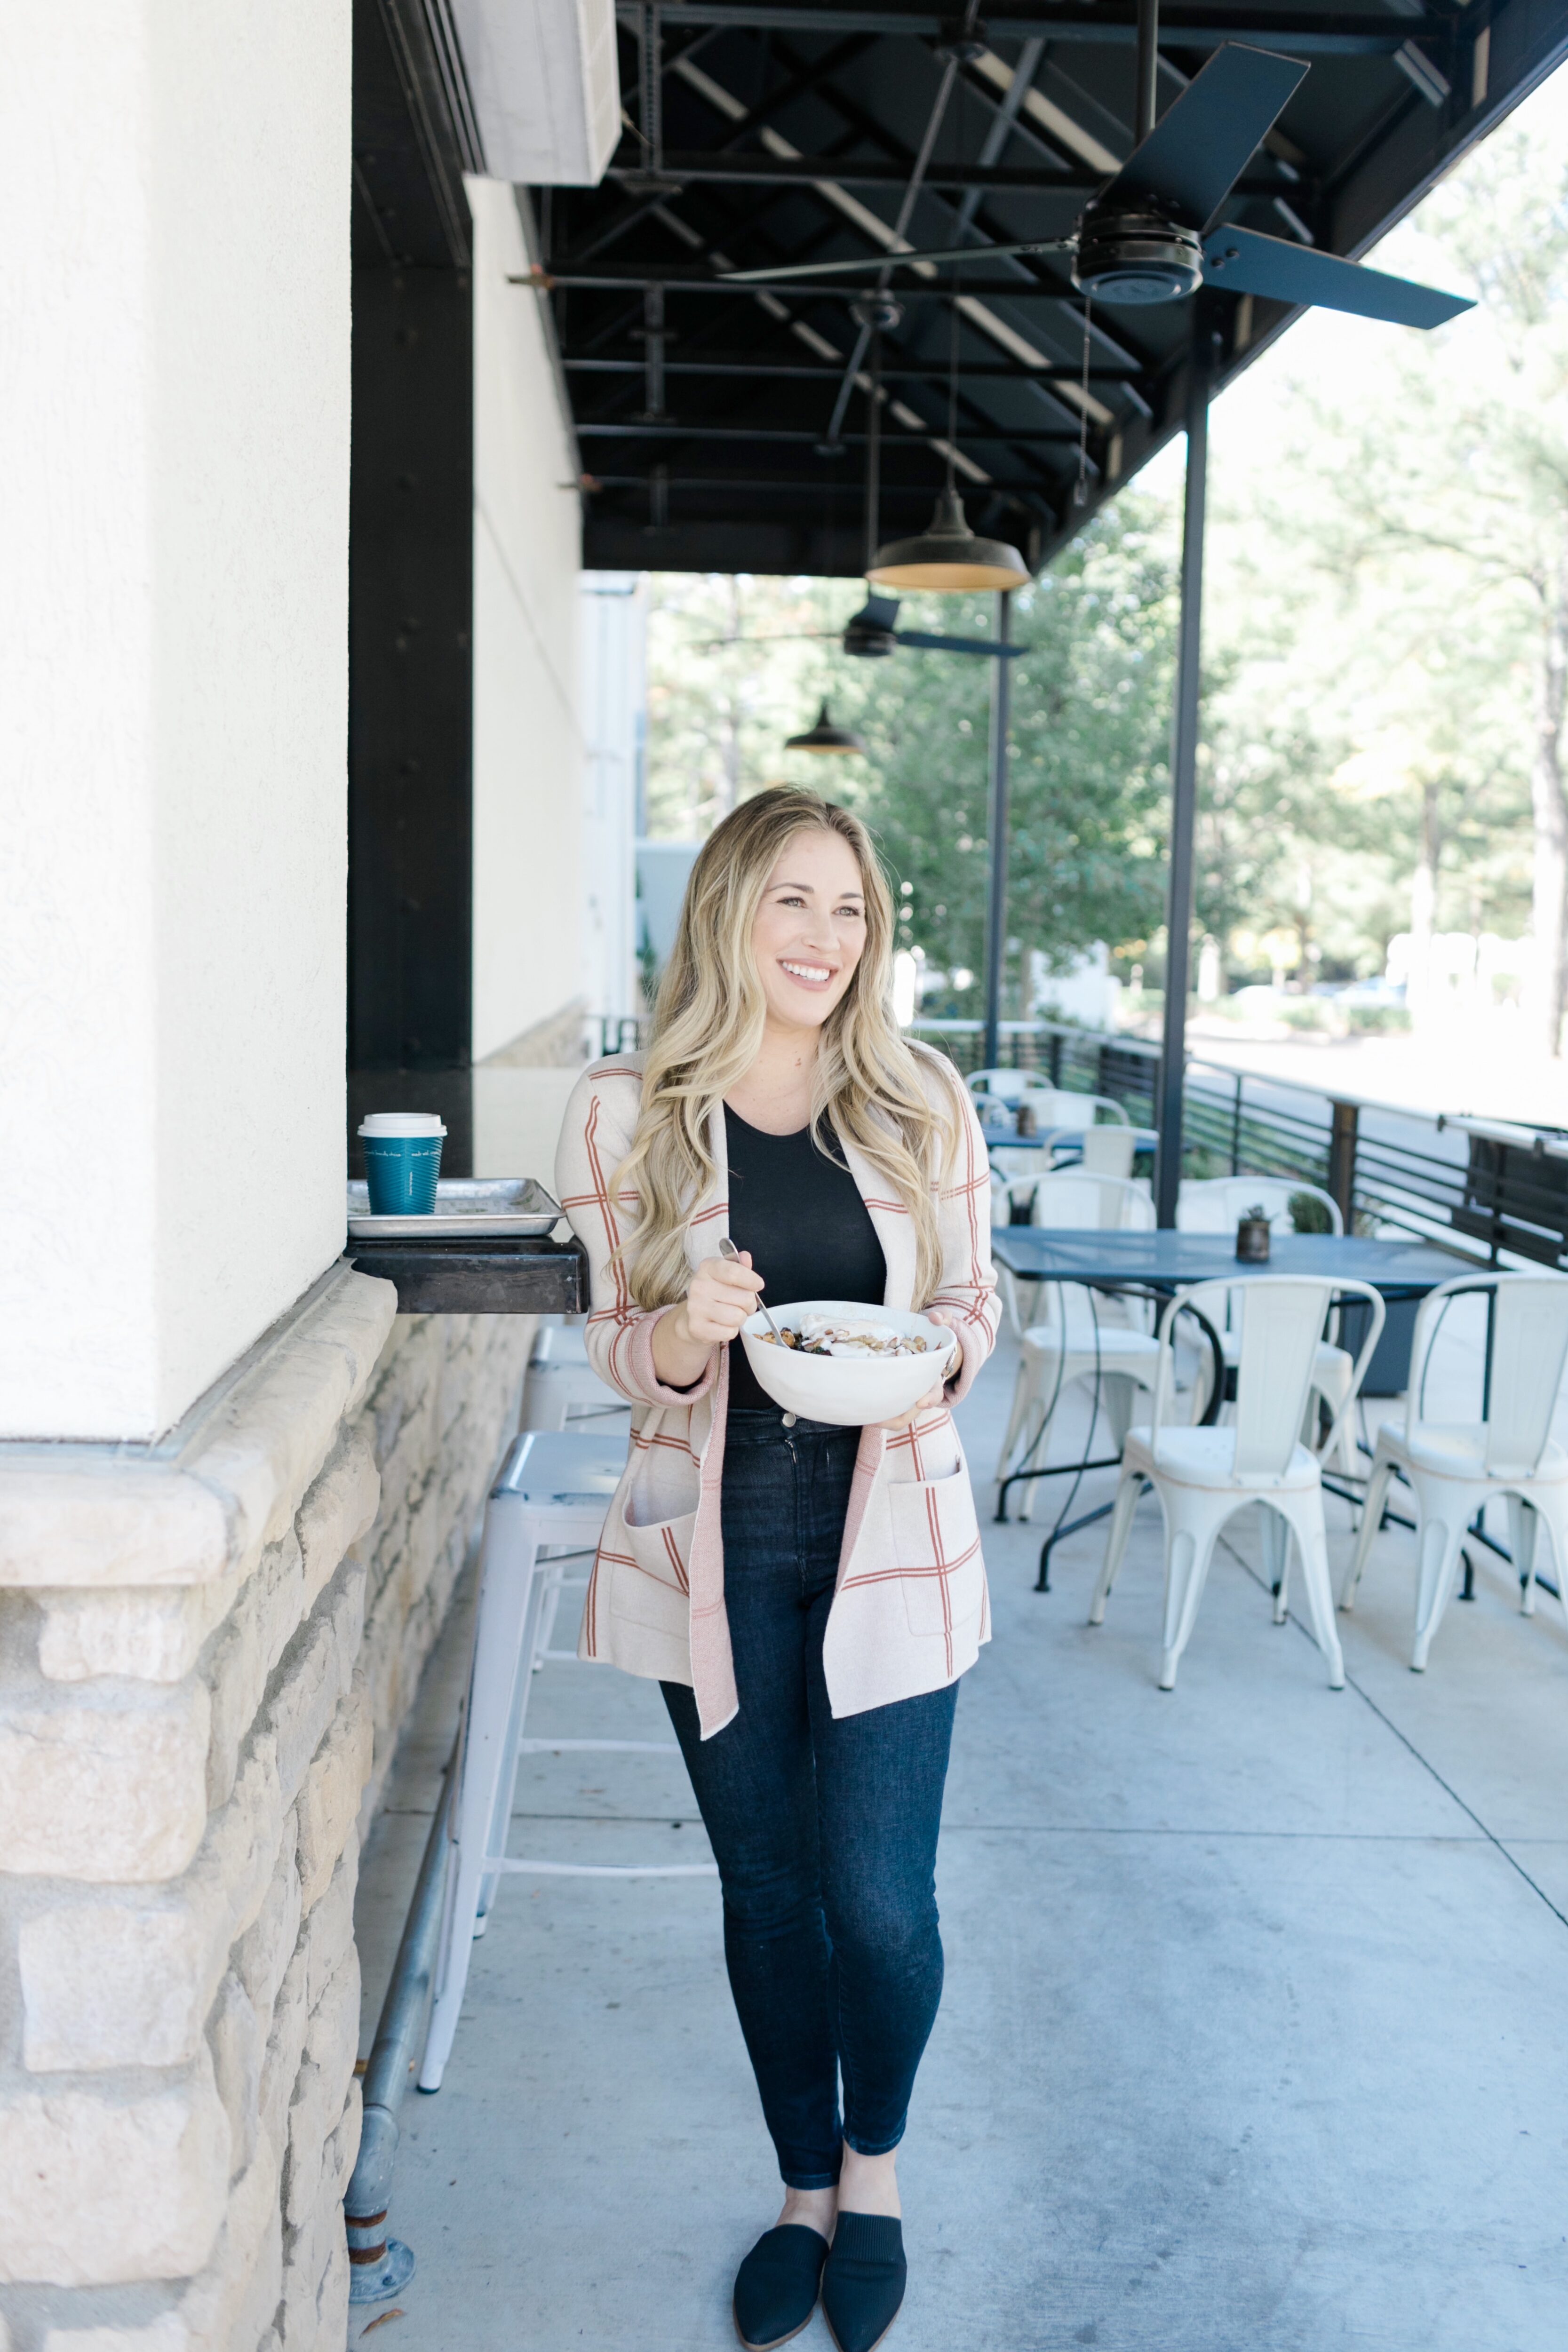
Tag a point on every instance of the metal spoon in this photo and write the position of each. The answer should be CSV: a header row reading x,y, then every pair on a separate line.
x,y
727,1249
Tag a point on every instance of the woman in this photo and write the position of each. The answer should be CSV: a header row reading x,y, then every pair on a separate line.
x,y
806,1595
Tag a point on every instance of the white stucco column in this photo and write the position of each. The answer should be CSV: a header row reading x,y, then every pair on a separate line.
x,y
174,414
528,728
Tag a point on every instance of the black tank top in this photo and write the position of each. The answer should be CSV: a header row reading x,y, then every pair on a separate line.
x,y
800,1214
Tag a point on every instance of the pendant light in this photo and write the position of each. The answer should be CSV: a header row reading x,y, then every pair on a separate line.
x,y
824,738
947,555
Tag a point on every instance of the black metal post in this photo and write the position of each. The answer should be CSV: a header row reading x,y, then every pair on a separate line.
x,y
874,452
997,833
1184,791
1343,1136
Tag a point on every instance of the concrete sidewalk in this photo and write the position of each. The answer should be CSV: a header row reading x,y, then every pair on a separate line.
x,y
1252,2036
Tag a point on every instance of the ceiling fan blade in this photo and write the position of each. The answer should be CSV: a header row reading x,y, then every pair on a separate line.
x,y
785,638
1244,263
959,645
1202,144
798,270
876,612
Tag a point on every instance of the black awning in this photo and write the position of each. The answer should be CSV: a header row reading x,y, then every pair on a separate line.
x,y
782,133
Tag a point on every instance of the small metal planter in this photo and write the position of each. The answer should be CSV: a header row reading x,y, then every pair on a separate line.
x,y
1252,1236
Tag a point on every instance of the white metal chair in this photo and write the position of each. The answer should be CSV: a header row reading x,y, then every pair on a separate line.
x,y
1076,1200
1454,1469
1017,1164
1204,1476
1078,1341
1108,1151
1211,1204
1015,1170
1102,1110
1214,1205
1007,1085
562,1389
1055,1106
554,1490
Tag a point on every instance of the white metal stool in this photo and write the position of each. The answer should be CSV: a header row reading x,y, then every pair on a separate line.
x,y
554,1490
562,1389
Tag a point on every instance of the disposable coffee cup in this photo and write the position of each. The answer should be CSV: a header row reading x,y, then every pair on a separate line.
x,y
402,1161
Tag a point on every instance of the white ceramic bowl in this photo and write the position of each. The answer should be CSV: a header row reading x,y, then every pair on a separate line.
x,y
849,1389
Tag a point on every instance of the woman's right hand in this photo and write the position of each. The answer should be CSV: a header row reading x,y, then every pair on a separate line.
x,y
723,1292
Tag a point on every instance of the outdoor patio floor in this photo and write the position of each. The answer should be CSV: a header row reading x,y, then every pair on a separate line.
x,y
1253,2034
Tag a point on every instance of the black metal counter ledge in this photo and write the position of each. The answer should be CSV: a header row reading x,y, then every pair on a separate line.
x,y
523,1275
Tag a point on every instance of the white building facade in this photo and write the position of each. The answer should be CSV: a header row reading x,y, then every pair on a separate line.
x,y
236,1488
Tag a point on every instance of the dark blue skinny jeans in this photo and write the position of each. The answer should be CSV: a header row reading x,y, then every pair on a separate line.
x,y
825,1832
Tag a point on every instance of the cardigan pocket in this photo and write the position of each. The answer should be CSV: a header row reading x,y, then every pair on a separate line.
x,y
936,1545
652,1587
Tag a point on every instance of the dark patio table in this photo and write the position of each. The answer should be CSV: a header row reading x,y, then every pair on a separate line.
x,y
1162,1263
1144,1139
1168,1261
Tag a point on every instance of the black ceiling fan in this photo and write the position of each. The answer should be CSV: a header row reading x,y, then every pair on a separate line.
x,y
1150,235
872,632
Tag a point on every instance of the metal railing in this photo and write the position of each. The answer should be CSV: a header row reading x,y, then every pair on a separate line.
x,y
1494,1192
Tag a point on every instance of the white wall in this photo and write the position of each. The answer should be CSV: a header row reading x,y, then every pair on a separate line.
x,y
614,606
175,410
528,737
1088,991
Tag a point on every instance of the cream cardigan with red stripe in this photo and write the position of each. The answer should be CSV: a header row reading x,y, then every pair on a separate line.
x,y
911,1609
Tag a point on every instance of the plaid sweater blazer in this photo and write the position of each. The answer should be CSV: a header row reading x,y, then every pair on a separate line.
x,y
910,1609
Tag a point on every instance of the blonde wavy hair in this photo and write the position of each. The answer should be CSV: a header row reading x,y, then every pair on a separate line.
x,y
708,1031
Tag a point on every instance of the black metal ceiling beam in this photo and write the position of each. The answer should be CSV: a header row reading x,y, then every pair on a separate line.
x,y
1492,65
677,273
807,77
1020,276
1018,282
696,428
1037,493
1188,26
737,223
681,277
1490,54
697,168
1047,276
912,494
764,370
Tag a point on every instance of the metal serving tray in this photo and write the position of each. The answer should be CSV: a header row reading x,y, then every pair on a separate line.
x,y
496,1207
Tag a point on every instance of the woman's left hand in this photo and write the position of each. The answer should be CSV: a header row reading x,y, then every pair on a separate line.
x,y
934,1397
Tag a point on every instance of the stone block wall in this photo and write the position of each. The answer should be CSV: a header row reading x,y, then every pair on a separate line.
x,y
206,1649
438,1415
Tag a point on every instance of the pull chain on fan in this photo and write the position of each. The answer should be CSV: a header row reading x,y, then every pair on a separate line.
x,y
1080,487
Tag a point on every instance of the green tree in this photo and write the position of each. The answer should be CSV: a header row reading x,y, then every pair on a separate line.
x,y
1392,568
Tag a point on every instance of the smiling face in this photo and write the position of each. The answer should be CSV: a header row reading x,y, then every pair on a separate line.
x,y
810,930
